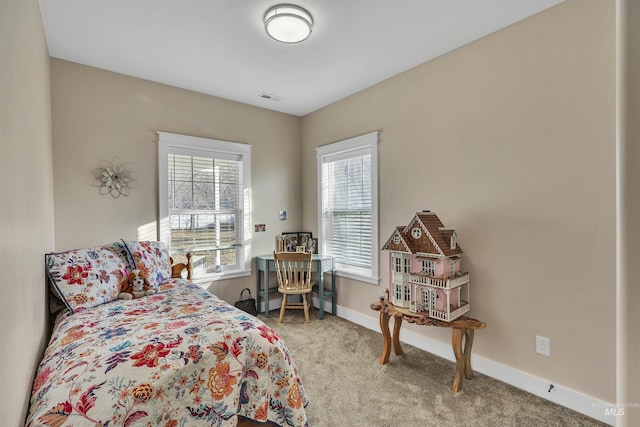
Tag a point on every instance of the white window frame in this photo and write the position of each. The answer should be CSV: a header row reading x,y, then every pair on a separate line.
x,y
398,291
407,265
428,267
425,298
353,147
406,293
397,261
171,142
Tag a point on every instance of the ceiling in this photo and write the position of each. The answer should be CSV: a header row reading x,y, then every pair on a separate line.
x,y
219,47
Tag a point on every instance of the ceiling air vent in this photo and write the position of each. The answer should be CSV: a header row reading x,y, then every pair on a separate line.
x,y
270,97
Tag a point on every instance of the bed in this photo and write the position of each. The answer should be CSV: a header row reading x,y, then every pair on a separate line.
x,y
177,357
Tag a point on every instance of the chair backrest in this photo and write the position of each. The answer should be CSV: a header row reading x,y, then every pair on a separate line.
x,y
293,270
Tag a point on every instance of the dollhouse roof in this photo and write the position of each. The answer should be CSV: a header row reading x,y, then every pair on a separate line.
x,y
430,238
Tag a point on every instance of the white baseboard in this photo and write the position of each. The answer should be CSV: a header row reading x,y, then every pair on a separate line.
x,y
564,396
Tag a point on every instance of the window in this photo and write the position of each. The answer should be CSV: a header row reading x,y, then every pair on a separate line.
x,y
398,263
452,268
425,299
398,288
348,205
428,298
407,293
204,203
407,265
429,267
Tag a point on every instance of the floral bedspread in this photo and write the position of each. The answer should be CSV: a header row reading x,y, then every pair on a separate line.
x,y
181,357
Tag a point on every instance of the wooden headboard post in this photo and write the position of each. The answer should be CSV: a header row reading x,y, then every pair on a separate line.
x,y
177,269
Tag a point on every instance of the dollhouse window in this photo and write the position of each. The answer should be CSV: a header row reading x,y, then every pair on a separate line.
x,y
416,233
401,294
397,263
425,297
407,265
453,241
452,268
428,298
397,292
429,267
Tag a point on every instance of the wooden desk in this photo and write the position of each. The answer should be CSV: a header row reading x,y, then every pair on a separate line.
x,y
319,263
462,326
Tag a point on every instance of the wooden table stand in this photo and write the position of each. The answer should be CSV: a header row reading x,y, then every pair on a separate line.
x,y
462,327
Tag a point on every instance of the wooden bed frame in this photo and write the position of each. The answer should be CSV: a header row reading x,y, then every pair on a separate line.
x,y
244,422
178,268
176,272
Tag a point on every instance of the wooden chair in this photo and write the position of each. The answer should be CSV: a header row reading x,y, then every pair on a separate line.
x,y
294,278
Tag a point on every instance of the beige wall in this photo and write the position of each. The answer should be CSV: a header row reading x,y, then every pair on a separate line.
x,y
511,140
628,375
26,201
98,114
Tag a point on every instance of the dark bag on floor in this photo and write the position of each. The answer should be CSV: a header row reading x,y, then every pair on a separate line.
x,y
247,304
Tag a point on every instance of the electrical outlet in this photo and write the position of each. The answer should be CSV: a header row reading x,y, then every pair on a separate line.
x,y
543,346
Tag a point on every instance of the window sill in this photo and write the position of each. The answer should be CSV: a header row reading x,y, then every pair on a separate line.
x,y
357,276
210,278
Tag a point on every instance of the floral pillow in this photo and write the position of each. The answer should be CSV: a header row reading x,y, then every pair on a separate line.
x,y
85,278
151,258
120,250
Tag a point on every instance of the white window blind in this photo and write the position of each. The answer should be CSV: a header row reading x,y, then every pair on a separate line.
x,y
347,209
348,205
204,202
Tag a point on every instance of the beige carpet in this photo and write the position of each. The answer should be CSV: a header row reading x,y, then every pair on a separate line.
x,y
339,365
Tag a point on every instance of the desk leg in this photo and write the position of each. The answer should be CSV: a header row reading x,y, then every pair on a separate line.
x,y
321,292
384,327
258,274
334,304
456,340
266,290
468,343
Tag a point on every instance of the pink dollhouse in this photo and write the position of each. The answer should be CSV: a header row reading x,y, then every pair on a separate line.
x,y
424,269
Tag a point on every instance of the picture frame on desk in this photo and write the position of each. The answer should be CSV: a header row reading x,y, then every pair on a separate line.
x,y
312,245
303,239
290,241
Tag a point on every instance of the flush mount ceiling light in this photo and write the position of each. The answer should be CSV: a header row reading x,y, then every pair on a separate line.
x,y
288,23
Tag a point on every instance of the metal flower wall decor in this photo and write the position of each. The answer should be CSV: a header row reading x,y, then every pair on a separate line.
x,y
115,177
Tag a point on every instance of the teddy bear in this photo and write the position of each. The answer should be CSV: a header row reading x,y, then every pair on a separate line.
x,y
136,286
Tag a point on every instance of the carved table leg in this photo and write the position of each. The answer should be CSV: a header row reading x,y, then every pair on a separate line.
x,y
384,327
456,340
397,323
468,343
